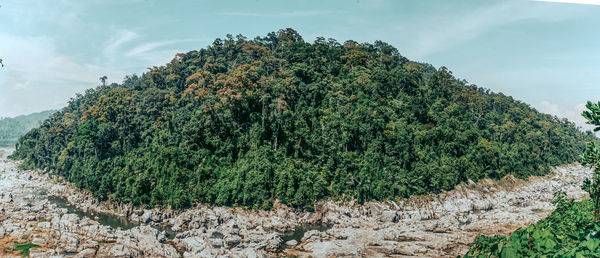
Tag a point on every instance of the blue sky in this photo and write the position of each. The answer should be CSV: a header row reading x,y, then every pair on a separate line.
x,y
544,53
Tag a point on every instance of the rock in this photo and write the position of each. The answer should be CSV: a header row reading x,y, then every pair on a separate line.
x,y
216,242
216,234
39,241
181,221
19,233
86,253
89,244
213,221
39,252
38,208
233,240
119,251
389,216
272,243
69,220
146,217
145,231
148,240
44,226
310,236
251,253
69,241
333,249
162,236
155,217
193,245
439,225
6,198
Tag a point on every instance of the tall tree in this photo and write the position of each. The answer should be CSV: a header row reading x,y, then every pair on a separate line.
x,y
249,122
103,80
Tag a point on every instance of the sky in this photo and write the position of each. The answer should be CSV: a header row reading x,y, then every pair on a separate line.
x,y
544,53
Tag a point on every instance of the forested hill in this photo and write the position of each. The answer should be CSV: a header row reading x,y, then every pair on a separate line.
x,y
246,122
12,128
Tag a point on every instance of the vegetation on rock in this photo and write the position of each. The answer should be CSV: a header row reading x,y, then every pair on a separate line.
x,y
24,248
568,232
591,158
247,122
572,230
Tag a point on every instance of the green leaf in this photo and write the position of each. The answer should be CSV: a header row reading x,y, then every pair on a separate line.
x,y
509,252
549,244
592,244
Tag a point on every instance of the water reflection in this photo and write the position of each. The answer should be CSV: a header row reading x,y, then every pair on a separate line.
x,y
33,196
104,219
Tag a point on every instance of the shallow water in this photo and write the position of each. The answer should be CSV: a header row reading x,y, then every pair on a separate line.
x,y
298,232
25,191
103,218
6,150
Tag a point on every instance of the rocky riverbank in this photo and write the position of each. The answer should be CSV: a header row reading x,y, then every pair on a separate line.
x,y
434,225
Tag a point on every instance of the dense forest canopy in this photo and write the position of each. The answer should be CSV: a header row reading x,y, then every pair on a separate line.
x,y
12,128
247,122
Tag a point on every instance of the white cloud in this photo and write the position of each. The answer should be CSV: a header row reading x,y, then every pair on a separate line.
x,y
36,76
146,47
118,40
436,34
572,113
36,59
549,108
588,2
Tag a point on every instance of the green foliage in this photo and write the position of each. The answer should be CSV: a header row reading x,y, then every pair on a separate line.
x,y
591,158
12,128
592,115
568,232
248,122
24,248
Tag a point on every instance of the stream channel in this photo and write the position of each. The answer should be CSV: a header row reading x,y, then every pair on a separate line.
x,y
36,196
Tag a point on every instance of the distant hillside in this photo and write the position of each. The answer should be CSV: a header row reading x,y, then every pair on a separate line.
x,y
247,122
12,128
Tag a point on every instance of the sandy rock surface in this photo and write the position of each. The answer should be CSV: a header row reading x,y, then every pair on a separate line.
x,y
441,225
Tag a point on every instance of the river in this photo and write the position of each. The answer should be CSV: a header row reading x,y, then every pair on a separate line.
x,y
37,209
6,150
34,195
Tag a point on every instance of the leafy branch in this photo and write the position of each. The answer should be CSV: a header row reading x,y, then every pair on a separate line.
x,y
591,157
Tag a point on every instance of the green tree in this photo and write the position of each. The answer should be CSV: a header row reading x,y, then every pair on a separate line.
x,y
248,122
591,157
103,80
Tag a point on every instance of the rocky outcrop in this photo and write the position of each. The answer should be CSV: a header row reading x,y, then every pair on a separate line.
x,y
434,225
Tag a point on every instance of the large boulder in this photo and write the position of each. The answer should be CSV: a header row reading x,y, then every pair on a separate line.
x,y
271,243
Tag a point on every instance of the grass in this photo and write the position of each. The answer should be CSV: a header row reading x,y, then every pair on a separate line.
x,y
24,248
